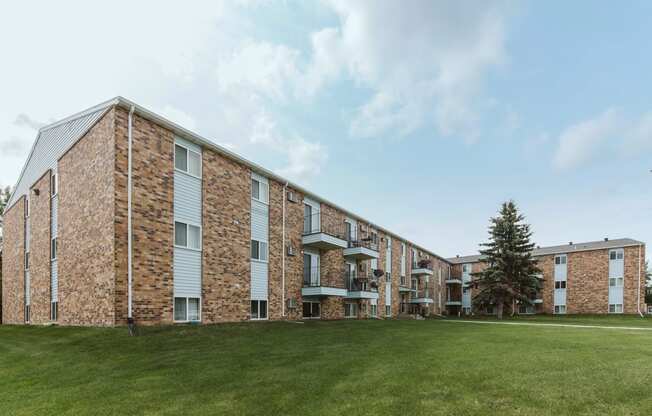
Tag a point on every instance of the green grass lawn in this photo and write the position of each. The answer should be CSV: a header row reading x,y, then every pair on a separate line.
x,y
431,367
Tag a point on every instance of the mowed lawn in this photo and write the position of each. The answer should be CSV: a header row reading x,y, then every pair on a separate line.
x,y
432,367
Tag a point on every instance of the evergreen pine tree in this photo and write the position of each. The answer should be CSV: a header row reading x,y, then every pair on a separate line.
x,y
511,273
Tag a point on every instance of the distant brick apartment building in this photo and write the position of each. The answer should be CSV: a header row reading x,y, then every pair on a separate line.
x,y
121,213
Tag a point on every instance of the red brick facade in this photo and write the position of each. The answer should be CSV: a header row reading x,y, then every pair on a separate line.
x,y
92,243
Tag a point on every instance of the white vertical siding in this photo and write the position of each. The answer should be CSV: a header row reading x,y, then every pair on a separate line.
x,y
187,209
388,256
388,293
27,286
561,272
54,281
260,232
27,231
616,270
54,215
403,254
187,273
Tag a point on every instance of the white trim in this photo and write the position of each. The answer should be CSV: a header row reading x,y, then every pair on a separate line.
x,y
266,318
187,224
174,298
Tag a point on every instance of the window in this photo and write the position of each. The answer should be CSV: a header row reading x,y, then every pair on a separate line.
x,y
27,260
307,219
374,311
26,208
560,309
311,310
388,310
186,160
53,249
187,236
363,309
466,310
258,190
350,310
490,310
186,310
560,284
54,311
54,184
616,308
258,250
388,276
26,313
258,309
560,259
616,281
616,255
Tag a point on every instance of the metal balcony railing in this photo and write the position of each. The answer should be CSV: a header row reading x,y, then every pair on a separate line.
x,y
318,222
362,281
362,239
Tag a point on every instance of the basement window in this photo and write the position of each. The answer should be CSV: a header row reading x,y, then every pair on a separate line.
x,y
258,310
26,313
560,309
388,311
186,309
54,311
616,308
187,161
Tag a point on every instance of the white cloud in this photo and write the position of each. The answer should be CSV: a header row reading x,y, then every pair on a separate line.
x,y
425,61
608,134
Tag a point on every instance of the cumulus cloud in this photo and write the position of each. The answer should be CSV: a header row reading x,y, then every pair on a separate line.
x,y
610,133
425,61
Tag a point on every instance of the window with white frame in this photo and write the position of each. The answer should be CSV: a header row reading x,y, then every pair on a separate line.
x,y
258,250
54,311
350,310
258,309
26,313
388,310
616,308
259,190
186,309
616,281
560,284
616,254
27,260
54,184
560,309
560,259
53,249
26,207
187,161
311,310
187,235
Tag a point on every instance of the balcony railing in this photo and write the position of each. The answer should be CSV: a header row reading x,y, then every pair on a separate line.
x,y
356,282
362,239
311,276
318,222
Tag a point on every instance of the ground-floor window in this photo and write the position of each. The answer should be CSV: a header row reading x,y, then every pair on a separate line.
x,y
616,308
363,308
560,309
388,310
26,313
311,310
525,309
490,310
350,310
186,309
258,309
374,311
54,311
466,310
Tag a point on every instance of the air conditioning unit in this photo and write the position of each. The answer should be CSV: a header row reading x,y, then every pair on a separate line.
x,y
292,303
290,250
292,197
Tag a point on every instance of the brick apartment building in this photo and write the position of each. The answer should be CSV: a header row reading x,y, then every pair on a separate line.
x,y
587,278
121,213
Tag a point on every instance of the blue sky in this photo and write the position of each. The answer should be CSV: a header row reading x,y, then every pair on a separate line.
x,y
421,116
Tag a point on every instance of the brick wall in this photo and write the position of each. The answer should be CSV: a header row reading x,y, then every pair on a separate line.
x,y
226,239
86,228
39,250
153,220
13,272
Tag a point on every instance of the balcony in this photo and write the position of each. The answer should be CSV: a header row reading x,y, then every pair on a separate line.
x,y
453,303
423,267
361,286
313,286
453,281
323,233
423,296
361,247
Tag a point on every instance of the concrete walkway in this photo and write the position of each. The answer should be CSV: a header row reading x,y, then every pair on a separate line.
x,y
629,328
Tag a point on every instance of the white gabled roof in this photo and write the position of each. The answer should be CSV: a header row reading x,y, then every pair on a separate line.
x,y
52,141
